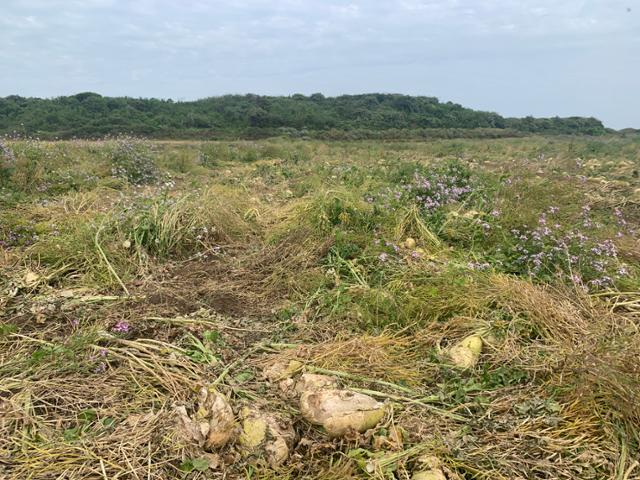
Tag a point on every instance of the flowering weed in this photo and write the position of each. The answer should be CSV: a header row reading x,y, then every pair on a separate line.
x,y
133,160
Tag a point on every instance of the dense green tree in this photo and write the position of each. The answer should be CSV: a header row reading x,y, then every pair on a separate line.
x,y
373,115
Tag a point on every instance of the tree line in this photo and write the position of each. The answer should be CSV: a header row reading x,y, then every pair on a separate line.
x,y
377,115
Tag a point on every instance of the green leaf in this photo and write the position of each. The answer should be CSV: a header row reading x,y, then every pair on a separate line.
x,y
243,377
71,434
186,466
87,416
108,422
39,354
199,352
553,406
7,329
212,336
200,464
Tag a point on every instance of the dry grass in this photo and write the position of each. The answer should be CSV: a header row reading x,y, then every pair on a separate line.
x,y
387,357
555,393
115,424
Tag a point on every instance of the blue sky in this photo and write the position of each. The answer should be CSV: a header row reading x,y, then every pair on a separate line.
x,y
542,57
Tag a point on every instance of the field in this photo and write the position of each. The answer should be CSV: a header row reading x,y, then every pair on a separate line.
x,y
160,303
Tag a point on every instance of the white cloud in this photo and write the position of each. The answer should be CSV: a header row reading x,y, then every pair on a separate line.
x,y
149,47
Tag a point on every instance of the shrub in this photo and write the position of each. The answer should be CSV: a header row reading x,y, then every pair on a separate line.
x,y
430,190
133,160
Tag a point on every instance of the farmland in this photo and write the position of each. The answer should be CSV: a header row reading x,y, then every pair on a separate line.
x,y
140,279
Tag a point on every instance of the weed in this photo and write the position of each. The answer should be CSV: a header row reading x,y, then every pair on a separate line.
x,y
132,159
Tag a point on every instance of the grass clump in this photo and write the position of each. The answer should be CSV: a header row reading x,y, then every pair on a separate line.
x,y
132,159
28,171
7,160
165,226
123,241
73,251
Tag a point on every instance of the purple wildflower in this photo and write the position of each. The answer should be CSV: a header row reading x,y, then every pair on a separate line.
x,y
121,327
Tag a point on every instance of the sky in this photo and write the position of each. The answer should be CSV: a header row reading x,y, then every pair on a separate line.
x,y
514,57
